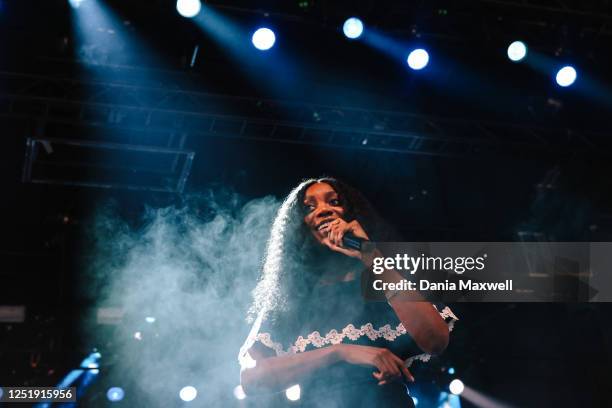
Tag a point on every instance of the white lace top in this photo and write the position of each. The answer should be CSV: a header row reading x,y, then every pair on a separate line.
x,y
334,318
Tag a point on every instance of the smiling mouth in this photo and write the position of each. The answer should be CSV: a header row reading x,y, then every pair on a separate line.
x,y
323,223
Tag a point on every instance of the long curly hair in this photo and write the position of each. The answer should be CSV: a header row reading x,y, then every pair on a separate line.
x,y
293,256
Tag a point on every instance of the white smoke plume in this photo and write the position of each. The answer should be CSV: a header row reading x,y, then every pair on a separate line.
x,y
192,268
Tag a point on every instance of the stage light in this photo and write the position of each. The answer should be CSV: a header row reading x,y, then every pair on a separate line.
x,y
115,394
353,28
451,371
188,393
188,8
517,51
91,361
75,3
418,59
239,392
150,319
293,393
566,76
456,386
263,39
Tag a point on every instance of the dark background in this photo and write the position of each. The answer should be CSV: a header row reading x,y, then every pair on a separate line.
x,y
514,155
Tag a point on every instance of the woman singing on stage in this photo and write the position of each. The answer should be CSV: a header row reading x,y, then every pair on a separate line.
x,y
313,328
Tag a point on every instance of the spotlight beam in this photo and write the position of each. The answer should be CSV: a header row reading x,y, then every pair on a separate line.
x,y
517,51
418,59
566,76
263,39
188,8
482,400
353,28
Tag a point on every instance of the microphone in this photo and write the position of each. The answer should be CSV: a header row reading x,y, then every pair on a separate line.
x,y
352,242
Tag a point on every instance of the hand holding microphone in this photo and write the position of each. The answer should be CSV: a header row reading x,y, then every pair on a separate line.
x,y
352,242
345,237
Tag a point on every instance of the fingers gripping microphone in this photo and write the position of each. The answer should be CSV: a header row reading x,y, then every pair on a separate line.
x,y
352,242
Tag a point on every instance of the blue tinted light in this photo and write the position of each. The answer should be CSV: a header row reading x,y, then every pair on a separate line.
x,y
418,59
353,28
263,39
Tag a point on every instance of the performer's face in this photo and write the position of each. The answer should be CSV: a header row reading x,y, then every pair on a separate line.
x,y
322,206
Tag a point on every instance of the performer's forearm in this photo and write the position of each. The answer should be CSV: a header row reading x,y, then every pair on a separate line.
x,y
419,317
423,323
279,373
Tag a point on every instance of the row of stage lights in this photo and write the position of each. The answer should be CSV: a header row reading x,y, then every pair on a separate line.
x,y
189,393
90,368
565,76
264,38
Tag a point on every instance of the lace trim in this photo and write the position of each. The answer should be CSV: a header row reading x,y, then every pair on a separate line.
x,y
352,333
422,357
447,313
333,337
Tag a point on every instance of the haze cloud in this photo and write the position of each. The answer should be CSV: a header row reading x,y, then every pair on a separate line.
x,y
192,268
